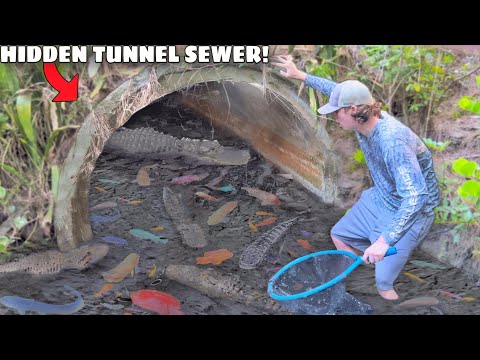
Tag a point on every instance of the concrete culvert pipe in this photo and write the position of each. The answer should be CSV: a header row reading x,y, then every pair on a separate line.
x,y
251,102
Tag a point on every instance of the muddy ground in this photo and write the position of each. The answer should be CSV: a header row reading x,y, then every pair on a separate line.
x,y
233,234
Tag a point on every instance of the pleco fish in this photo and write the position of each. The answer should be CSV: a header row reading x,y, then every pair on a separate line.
x,y
221,285
256,251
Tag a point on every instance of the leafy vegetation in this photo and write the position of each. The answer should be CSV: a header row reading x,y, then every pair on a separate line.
x,y
32,132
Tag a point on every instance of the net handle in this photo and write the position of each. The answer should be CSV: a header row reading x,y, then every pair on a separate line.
x,y
358,260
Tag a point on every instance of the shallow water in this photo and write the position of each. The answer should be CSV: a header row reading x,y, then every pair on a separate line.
x,y
233,234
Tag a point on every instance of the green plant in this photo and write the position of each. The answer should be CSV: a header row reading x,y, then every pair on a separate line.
x,y
470,104
461,198
4,242
359,157
31,128
438,146
408,79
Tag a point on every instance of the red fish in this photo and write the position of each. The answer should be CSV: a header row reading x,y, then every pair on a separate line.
x,y
156,301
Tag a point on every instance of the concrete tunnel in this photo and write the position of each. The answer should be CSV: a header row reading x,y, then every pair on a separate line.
x,y
252,102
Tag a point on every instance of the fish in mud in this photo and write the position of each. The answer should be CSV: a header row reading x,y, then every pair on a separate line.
x,y
220,285
256,251
265,197
22,305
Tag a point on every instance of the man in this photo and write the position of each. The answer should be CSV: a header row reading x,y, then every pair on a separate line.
x,y
398,209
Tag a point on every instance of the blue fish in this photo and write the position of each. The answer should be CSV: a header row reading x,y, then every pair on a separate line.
x,y
142,234
22,305
306,233
114,240
102,219
227,188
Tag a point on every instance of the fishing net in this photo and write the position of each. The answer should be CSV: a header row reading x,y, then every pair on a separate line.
x,y
312,273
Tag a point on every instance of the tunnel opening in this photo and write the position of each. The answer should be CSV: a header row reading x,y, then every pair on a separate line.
x,y
140,222
250,102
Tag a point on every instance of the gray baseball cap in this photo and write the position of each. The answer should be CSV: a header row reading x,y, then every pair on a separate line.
x,y
347,93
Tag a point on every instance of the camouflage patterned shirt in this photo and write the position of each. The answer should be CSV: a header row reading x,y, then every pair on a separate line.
x,y
401,168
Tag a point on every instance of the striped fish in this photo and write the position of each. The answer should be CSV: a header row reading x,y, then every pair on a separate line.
x,y
256,251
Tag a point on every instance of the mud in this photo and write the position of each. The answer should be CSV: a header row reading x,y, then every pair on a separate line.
x,y
233,234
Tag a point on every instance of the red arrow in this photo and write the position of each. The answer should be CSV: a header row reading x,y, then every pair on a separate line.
x,y
67,90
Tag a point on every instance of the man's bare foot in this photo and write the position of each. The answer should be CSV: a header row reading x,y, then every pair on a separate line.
x,y
388,294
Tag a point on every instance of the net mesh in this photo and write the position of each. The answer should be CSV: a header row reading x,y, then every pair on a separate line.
x,y
312,273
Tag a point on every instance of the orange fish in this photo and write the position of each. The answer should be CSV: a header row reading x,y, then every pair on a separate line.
x,y
292,254
218,216
215,257
188,178
103,290
305,244
206,196
126,267
263,213
100,189
267,221
158,228
156,301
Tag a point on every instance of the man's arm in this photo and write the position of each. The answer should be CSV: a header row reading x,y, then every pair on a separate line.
x,y
403,166
323,85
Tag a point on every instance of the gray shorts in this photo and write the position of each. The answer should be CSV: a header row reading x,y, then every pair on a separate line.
x,y
362,225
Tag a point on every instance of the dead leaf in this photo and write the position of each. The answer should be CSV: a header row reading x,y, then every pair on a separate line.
x,y
252,225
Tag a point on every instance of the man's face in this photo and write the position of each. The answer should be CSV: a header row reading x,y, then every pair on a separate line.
x,y
344,118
